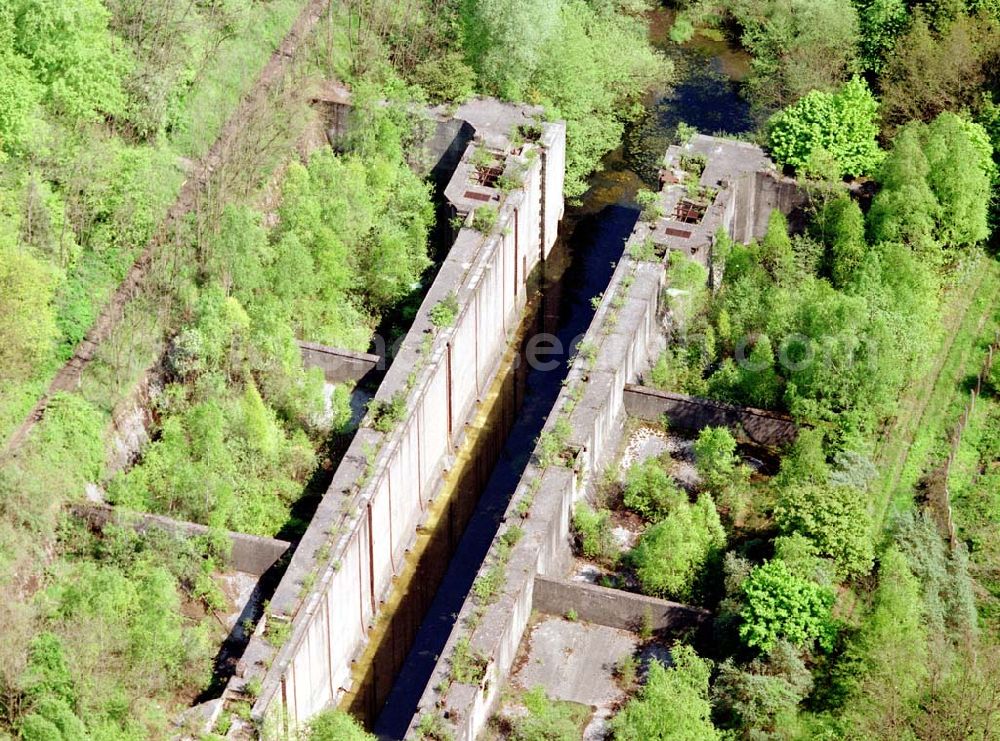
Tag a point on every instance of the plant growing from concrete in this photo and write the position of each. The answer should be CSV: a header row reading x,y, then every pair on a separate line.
x,y
626,671
335,725
694,163
588,351
649,205
482,158
467,665
572,615
674,698
253,687
552,443
277,631
672,553
488,586
484,219
512,179
547,719
650,491
433,728
646,251
385,415
595,534
445,311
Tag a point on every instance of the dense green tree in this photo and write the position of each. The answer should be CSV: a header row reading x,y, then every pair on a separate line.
x,y
885,665
671,553
20,93
716,458
72,53
27,320
650,491
935,185
928,73
880,22
505,40
781,606
961,166
905,209
673,704
775,253
759,383
595,99
841,123
834,518
845,233
797,46
759,699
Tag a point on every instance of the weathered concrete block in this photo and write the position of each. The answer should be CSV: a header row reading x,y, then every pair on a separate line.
x,y
613,607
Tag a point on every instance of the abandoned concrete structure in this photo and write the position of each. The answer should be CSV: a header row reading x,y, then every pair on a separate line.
x,y
598,395
709,184
330,596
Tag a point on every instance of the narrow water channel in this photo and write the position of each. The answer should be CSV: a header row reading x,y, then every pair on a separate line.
x,y
592,236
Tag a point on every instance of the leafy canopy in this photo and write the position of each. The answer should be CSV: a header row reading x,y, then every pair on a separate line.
x,y
673,705
782,606
843,124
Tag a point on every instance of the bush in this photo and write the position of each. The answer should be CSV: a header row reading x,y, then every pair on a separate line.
x,y
447,79
546,720
782,606
673,705
650,491
682,30
671,554
595,534
484,219
336,725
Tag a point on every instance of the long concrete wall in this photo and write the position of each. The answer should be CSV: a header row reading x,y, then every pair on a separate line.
x,y
251,554
592,402
614,608
691,414
342,570
339,365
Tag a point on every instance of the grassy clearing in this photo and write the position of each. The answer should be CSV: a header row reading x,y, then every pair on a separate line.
x,y
919,434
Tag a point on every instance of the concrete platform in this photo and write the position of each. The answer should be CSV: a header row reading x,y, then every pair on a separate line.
x,y
575,661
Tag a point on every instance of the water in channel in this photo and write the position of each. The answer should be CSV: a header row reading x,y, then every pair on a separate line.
x,y
592,237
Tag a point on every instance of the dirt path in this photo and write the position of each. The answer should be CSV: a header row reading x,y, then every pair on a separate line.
x,y
68,377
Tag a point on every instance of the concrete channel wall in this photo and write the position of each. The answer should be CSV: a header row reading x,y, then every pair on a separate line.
x,y
614,608
343,568
587,420
691,414
592,404
339,365
251,554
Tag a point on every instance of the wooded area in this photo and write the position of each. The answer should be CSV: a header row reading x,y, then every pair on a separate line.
x,y
841,610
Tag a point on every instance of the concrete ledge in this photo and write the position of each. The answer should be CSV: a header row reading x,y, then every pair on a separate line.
x,y
338,365
690,413
613,607
251,554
